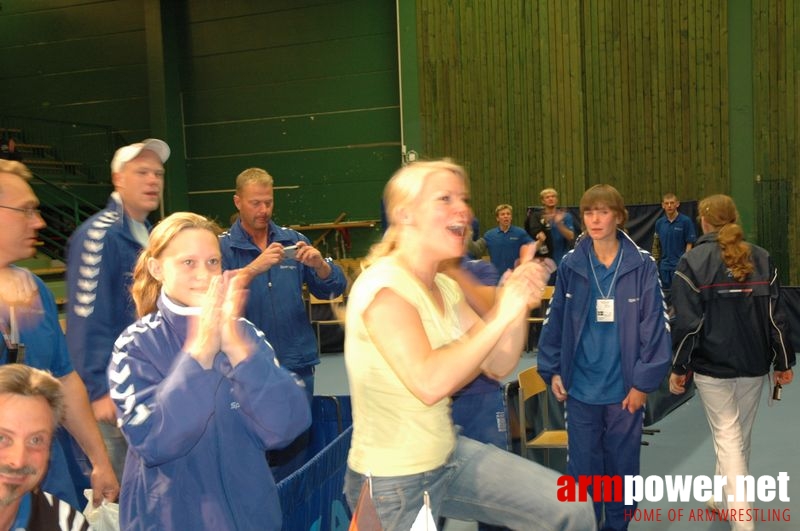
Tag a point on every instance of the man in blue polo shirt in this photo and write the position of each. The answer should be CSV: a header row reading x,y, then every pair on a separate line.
x,y
505,240
675,234
29,317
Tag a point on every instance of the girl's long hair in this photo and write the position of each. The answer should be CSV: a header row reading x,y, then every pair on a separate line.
x,y
146,287
401,191
720,212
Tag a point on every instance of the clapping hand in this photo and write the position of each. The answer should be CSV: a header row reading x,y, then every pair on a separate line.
x,y
523,287
217,328
234,342
203,338
18,290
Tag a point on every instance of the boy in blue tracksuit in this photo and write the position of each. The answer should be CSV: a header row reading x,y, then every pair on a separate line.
x,y
605,344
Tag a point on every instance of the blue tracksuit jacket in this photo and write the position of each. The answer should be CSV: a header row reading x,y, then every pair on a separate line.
x,y
197,438
644,336
102,253
275,304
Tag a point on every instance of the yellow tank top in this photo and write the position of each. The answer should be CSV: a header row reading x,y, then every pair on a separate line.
x,y
394,433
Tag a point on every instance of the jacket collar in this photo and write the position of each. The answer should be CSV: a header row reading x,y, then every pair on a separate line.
x,y
115,214
631,258
241,239
175,314
706,238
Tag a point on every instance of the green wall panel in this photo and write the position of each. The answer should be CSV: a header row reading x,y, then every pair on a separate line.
x,y
35,22
294,133
203,10
329,182
91,53
340,165
75,61
293,207
117,83
355,91
314,60
284,28
314,103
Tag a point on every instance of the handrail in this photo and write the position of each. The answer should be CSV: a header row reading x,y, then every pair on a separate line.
x,y
50,145
89,143
63,211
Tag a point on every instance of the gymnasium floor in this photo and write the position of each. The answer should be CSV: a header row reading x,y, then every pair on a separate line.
x,y
683,447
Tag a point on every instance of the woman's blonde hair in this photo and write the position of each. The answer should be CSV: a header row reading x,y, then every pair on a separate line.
x,y
402,191
719,211
146,287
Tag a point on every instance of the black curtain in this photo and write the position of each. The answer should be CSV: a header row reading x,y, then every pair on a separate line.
x,y
641,220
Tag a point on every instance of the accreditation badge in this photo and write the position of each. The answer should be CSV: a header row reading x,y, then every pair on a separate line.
x,y
605,310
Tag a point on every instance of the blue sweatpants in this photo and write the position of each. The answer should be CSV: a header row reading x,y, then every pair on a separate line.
x,y
604,440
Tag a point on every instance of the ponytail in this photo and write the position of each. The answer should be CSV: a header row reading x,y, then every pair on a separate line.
x,y
719,211
735,252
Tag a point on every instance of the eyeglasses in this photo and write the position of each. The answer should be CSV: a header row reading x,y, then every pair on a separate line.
x,y
29,212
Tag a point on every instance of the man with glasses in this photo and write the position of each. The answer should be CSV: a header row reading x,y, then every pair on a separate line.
x,y
102,253
32,334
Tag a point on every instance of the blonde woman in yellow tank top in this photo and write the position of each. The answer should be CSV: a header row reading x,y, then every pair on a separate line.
x,y
411,342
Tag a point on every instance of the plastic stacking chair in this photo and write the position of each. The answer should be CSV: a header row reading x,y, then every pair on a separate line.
x,y
531,385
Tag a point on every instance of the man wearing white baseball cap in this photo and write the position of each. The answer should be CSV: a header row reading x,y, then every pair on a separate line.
x,y
102,253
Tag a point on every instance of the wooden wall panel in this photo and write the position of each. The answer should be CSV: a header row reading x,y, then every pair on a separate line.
x,y
630,93
500,93
776,114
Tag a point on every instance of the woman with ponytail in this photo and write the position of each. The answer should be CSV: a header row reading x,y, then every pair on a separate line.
x,y
730,331
199,395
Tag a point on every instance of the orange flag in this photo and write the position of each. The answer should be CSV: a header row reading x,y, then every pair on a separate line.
x,y
365,516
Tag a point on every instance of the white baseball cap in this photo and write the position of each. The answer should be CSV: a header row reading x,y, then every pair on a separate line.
x,y
128,153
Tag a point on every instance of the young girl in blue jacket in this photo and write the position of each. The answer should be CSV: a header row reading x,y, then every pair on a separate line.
x,y
198,392
604,345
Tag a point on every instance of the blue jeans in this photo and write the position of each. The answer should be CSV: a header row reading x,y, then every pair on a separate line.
x,y
482,417
479,482
116,446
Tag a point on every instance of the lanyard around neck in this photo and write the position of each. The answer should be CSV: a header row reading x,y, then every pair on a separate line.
x,y
613,279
